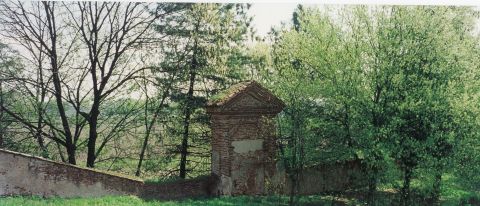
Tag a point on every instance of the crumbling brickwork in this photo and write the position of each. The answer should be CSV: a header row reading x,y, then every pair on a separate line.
x,y
243,138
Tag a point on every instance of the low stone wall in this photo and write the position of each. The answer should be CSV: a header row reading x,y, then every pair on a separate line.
x,y
22,174
324,178
334,177
198,187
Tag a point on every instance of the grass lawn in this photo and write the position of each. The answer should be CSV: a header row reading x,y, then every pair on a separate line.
x,y
224,201
452,194
135,201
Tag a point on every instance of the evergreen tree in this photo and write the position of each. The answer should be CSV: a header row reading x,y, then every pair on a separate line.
x,y
207,37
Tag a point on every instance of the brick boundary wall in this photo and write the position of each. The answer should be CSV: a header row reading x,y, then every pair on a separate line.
x,y
326,178
197,187
22,174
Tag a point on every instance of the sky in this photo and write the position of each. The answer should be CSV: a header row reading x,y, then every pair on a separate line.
x,y
267,15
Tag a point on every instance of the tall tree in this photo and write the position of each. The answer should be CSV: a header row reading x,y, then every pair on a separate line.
x,y
386,76
107,35
166,76
35,27
110,32
207,34
8,67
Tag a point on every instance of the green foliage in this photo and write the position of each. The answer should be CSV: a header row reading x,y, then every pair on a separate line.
x,y
10,67
205,51
382,84
394,86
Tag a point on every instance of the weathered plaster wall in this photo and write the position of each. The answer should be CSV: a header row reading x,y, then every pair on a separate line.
x,y
245,146
241,152
21,174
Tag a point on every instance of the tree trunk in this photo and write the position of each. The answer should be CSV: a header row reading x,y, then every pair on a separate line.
x,y
1,115
296,165
60,152
373,179
41,93
149,128
142,153
71,154
68,135
186,122
38,134
40,141
92,133
372,186
57,82
188,107
407,177
437,183
293,188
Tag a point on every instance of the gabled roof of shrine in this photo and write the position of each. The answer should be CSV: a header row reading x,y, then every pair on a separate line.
x,y
248,91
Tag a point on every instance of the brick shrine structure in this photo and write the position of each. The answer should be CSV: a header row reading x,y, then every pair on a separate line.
x,y
243,158
243,138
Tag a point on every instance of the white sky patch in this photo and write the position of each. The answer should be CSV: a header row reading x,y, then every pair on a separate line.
x,y
268,15
370,2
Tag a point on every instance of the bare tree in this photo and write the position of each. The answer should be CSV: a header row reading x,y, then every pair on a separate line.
x,y
111,32
36,28
83,54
